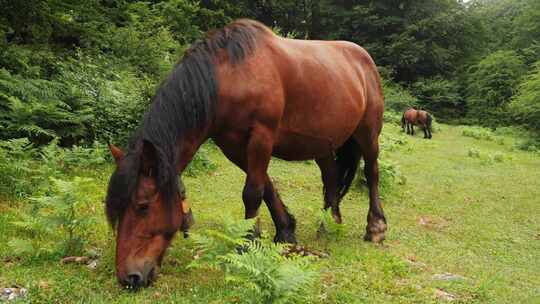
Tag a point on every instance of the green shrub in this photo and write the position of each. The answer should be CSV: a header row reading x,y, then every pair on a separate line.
x,y
397,98
525,104
41,109
498,157
393,117
16,165
260,273
327,227
391,142
54,223
474,153
530,145
478,133
201,163
491,84
390,176
439,95
27,170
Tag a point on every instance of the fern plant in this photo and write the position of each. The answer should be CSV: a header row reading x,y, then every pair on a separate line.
x,y
257,269
328,228
16,166
55,216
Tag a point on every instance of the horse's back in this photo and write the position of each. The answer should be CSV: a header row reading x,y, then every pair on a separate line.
x,y
411,115
327,85
314,94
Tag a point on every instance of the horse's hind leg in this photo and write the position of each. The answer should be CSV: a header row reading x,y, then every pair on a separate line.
x,y
367,137
425,129
329,175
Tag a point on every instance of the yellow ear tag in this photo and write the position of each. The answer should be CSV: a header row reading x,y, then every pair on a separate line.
x,y
185,206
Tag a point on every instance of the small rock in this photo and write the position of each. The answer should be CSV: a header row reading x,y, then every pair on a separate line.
x,y
92,265
443,295
12,293
448,277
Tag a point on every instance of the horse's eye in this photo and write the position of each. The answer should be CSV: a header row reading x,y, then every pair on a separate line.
x,y
143,207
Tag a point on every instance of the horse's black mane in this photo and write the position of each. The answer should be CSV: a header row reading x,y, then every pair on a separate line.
x,y
185,100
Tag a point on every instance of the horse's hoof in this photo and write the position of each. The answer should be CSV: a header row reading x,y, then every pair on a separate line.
x,y
285,237
376,232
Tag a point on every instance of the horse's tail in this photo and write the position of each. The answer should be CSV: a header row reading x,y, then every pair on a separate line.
x,y
347,159
403,120
429,121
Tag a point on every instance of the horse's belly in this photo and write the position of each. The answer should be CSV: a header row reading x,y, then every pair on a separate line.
x,y
293,145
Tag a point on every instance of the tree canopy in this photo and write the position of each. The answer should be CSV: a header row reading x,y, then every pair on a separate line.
x,y
85,70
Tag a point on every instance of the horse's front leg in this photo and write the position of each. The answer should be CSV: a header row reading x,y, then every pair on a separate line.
x,y
258,185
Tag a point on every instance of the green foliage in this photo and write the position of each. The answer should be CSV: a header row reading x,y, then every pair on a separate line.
x,y
474,153
391,142
40,109
531,145
396,98
439,95
327,227
390,176
16,166
492,83
526,103
260,273
201,163
56,213
27,170
478,133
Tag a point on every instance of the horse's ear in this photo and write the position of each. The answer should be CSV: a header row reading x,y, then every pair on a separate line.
x,y
117,153
149,159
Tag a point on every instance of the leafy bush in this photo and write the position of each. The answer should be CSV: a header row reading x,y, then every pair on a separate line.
x,y
390,175
393,117
498,157
530,145
40,109
439,95
54,223
16,158
201,163
474,153
327,227
492,83
396,98
478,133
391,142
260,273
526,103
27,170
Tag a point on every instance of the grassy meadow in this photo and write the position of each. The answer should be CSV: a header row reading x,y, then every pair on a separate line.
x,y
464,227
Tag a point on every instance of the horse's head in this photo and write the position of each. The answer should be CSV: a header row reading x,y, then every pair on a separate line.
x,y
145,218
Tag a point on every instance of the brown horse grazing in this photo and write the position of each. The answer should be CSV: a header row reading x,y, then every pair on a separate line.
x,y
421,118
256,95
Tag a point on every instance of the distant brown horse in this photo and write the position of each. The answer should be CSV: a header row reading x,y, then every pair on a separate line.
x,y
256,95
420,118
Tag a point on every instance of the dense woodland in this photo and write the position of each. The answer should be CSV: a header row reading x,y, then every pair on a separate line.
x,y
84,71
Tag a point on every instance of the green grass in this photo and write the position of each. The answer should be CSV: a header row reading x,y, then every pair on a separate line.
x,y
469,216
